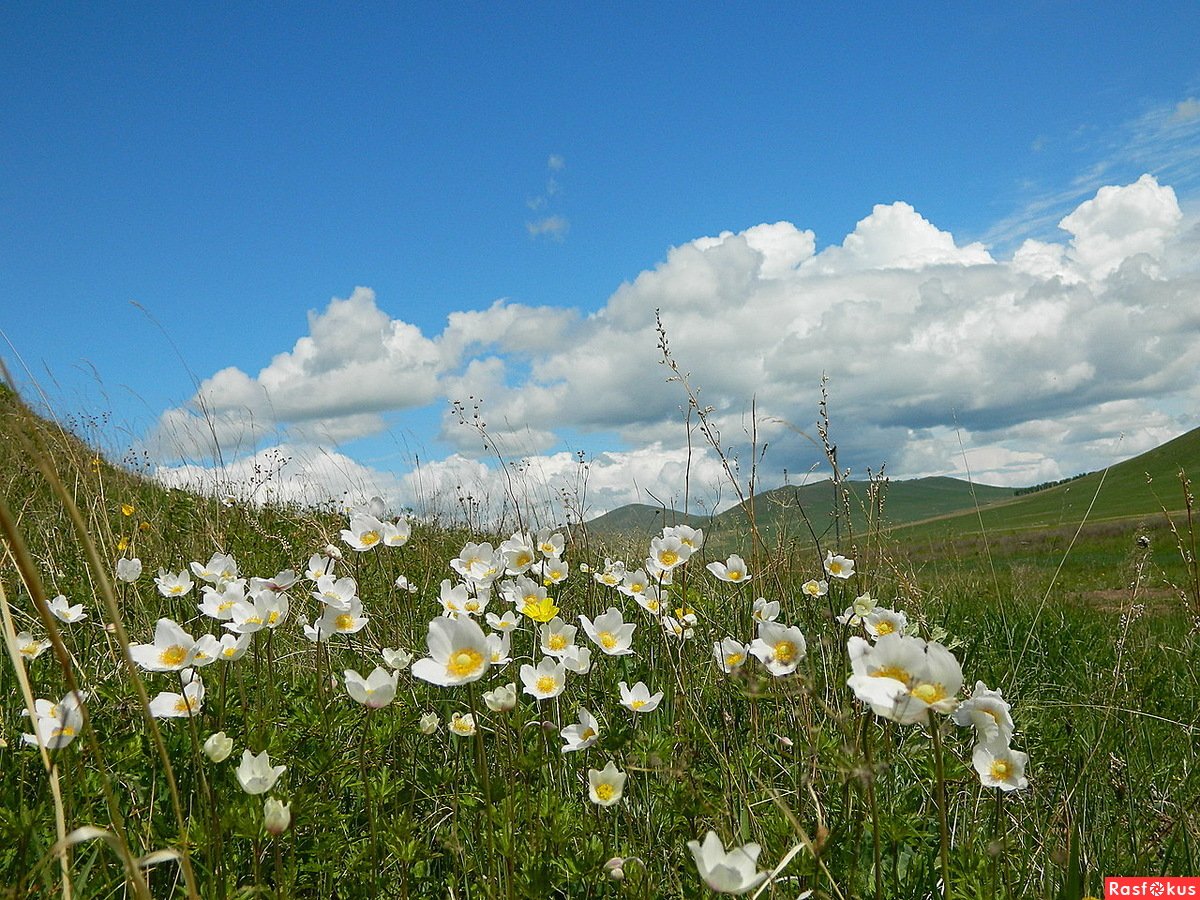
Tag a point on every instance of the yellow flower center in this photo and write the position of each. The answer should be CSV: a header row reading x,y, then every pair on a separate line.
x,y
173,655
273,617
545,684
734,575
1000,769
637,704
884,627
607,640
784,652
65,731
652,605
587,734
175,589
894,672
523,559
30,650
344,622
185,705
556,641
369,538
604,791
668,557
472,606
835,568
464,662
734,659
929,693
228,604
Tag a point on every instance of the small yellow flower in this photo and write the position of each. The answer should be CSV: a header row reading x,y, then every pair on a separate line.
x,y
143,526
541,610
123,544
95,464
127,509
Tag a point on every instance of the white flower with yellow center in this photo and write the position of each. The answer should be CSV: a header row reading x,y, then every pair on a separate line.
x,y
688,536
669,552
256,774
638,698
612,574
365,533
519,554
221,567
557,637
458,653
56,724
173,649
634,583
610,632
343,621
989,713
837,566
29,648
605,786
765,610
881,621
814,588
858,611
582,734
478,562
730,654
781,648
499,648
336,593
732,570
462,724
174,584
397,533
1000,766
904,678
546,681
218,602
169,705
550,543
650,600
318,564
506,622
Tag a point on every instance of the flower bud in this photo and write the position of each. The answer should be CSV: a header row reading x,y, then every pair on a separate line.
x,y
218,747
502,699
277,816
429,723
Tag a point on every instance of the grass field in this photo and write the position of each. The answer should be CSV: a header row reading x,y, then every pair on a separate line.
x,y
1091,634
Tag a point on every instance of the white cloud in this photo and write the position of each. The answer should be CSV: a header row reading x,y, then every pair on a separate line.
x,y
555,226
1097,333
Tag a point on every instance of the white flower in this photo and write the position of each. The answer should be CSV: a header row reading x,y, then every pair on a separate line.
x,y
404,584
221,567
688,536
169,705
729,654
856,613
218,602
478,562
364,533
500,648
605,786
256,774
462,724
65,612
318,564
429,723
29,648
838,566
277,816
610,632
218,746
519,554
903,678
173,649
174,584
634,583
557,637
501,699
396,659
581,735
1000,766
638,698
546,681
129,569
882,620
458,653
396,534
506,622
989,712
336,593
732,570
56,724
342,621
650,600
578,659
669,552
780,648
550,543
765,610
375,691
814,588
732,872
553,570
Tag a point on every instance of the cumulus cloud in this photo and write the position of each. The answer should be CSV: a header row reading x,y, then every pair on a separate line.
x,y
1036,363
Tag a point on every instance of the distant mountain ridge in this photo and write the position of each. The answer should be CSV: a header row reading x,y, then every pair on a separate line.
x,y
1141,485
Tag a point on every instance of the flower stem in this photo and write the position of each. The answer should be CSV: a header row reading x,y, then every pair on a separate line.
x,y
940,794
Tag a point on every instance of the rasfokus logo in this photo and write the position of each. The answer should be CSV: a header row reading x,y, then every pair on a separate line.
x,y
1145,886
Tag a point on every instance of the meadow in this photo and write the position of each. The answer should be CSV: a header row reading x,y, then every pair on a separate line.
x,y
851,710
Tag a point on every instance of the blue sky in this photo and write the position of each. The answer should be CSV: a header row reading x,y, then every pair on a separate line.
x,y
213,175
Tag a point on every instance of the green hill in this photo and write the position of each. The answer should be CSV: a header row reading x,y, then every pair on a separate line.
x,y
1141,486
